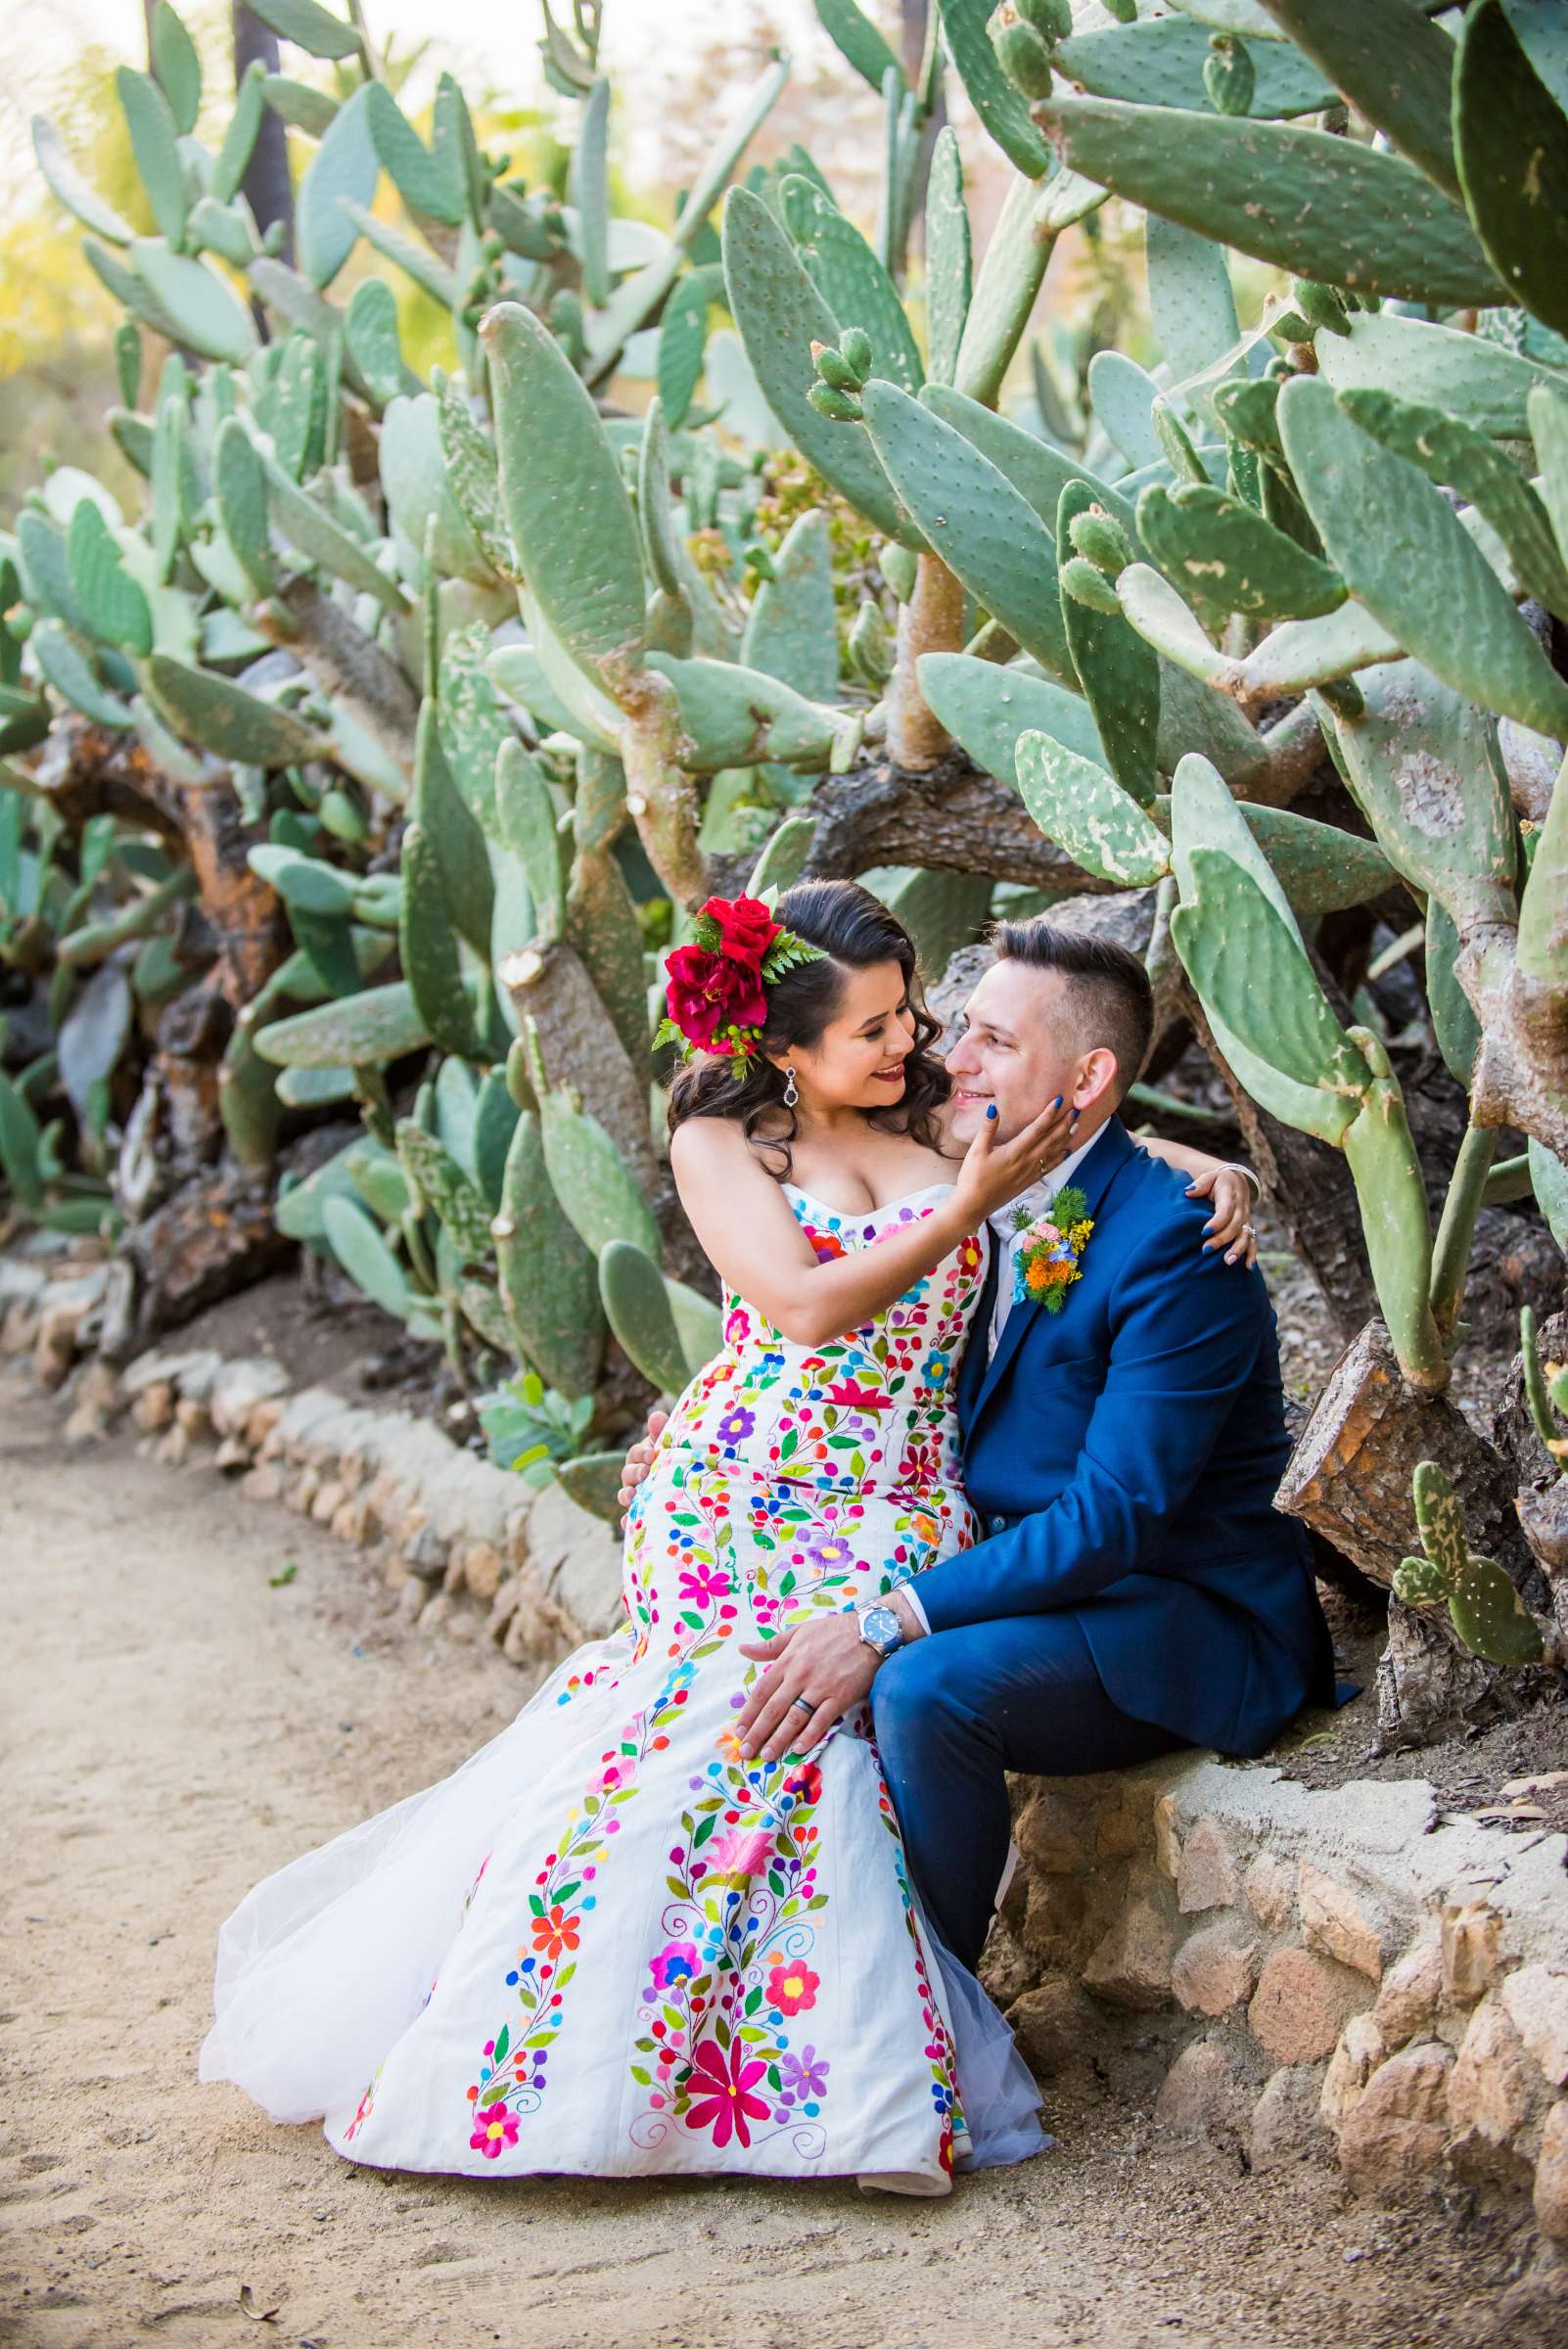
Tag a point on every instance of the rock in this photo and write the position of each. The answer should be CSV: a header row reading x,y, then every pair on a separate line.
x,y
352,1468
1334,1923
1131,1967
515,1533
1302,2004
578,1559
302,1493
1054,1832
1053,2024
233,1455
1056,1927
1216,1968
238,1386
1491,2087
153,1407
260,1422
328,1500
19,1328
1198,2090
1471,1933
412,1595
426,1553
174,1446
1285,2120
1167,1842
1119,1831
348,1521
192,1415
264,1482
1360,2050
436,1611
1206,1876
503,1606
1412,1991
481,1570
1270,1885
1391,2145
461,1627
1006,1968
1537,2003
1551,2176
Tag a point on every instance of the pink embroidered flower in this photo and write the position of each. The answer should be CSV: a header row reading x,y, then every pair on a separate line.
x,y
495,2129
792,1988
676,1961
740,1853
721,2091
854,1398
700,1584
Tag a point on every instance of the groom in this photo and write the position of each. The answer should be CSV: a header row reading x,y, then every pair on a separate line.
x,y
1133,1589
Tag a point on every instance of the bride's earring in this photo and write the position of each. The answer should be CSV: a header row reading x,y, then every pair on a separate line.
x,y
792,1092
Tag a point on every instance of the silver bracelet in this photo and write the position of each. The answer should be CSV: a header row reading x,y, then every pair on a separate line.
x,y
1236,1166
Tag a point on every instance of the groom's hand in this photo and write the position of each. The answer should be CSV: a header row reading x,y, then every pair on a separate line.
x,y
815,1674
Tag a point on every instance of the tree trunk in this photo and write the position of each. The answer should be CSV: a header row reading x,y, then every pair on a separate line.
x,y
931,622
266,186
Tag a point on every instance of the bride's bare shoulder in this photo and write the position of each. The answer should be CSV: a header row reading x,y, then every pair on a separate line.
x,y
703,1149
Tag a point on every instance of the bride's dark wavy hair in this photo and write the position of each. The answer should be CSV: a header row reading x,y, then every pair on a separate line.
x,y
854,931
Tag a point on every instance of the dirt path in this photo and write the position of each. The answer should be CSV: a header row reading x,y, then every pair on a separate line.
x,y
174,1728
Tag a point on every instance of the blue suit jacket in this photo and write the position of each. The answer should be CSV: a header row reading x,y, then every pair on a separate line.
x,y
1125,1453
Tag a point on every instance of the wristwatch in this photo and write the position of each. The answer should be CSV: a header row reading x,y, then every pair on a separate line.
x,y
880,1629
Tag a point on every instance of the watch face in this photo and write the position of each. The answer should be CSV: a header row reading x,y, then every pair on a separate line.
x,y
881,1627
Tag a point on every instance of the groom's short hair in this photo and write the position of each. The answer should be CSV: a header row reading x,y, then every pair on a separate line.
x,y
1108,993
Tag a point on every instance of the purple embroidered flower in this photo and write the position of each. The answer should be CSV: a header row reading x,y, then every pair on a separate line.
x,y
805,2074
676,1961
827,1550
736,1424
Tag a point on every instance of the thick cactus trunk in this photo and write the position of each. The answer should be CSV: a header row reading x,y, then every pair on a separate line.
x,y
931,622
1350,1479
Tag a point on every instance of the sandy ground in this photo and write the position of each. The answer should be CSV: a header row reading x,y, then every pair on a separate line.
x,y
175,1726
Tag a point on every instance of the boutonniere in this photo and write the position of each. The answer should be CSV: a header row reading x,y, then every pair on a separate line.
x,y
1046,1259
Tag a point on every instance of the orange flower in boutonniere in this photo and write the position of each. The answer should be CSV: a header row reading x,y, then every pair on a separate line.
x,y
1045,1262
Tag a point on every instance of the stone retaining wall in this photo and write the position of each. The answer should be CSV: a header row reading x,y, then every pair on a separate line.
x,y
1298,1975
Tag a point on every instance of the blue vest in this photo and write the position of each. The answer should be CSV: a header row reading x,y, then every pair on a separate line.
x,y
1123,1455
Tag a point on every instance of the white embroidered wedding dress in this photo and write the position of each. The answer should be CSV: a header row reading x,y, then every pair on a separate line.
x,y
606,1945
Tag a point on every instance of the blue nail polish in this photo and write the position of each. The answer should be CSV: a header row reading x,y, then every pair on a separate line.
x,y
992,1110
1057,1103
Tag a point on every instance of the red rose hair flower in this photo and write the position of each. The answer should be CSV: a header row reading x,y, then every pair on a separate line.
x,y
715,999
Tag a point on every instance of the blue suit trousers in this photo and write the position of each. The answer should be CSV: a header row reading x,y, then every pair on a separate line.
x,y
954,1714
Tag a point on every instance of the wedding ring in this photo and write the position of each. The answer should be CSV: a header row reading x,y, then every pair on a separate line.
x,y
805,1702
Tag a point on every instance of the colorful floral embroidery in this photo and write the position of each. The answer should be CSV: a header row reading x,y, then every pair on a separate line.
x,y
512,2069
713,2054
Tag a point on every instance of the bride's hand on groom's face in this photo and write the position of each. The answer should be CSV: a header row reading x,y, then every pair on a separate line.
x,y
815,1674
994,1171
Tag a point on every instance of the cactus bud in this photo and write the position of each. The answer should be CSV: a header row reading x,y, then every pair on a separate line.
x,y
1052,20
1227,74
900,567
491,245
1324,306
855,347
1087,585
834,368
836,404
760,559
1022,56
1126,11
272,239
870,655
1100,538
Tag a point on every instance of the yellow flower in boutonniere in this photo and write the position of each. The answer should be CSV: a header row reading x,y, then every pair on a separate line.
x,y
1045,1262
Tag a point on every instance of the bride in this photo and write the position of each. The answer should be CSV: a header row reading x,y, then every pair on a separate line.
x,y
611,1943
